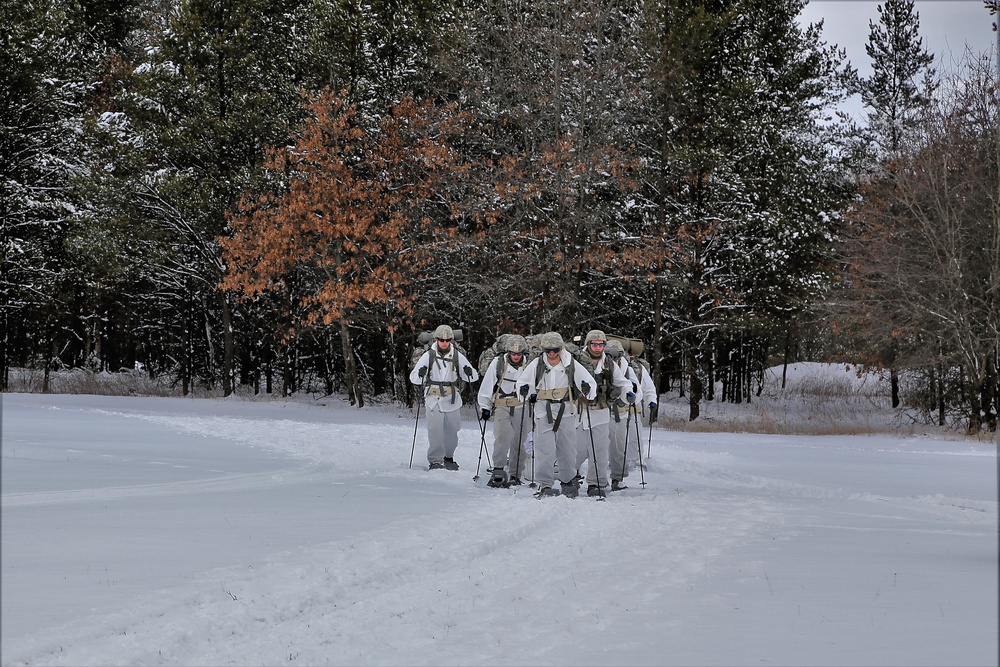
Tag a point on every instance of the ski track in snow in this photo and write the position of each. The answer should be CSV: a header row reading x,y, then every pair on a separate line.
x,y
509,552
402,589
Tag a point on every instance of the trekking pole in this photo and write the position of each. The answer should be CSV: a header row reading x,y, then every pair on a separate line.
x,y
520,444
531,408
628,423
649,444
593,455
414,445
642,475
482,446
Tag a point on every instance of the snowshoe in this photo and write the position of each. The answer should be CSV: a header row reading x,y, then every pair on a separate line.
x,y
450,464
498,480
547,492
436,466
514,481
570,489
617,485
594,491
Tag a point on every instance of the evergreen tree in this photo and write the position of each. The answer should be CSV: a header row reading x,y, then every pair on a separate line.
x,y
746,189
554,86
900,88
218,90
928,269
47,67
902,80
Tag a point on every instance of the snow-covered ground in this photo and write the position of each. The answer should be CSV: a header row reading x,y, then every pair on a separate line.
x,y
148,531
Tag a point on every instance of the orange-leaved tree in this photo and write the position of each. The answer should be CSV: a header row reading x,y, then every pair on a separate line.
x,y
347,219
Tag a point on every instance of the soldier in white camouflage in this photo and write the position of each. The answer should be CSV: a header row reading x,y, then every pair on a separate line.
x,y
498,398
441,370
594,414
549,383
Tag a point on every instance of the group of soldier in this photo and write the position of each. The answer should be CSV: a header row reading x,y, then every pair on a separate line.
x,y
575,412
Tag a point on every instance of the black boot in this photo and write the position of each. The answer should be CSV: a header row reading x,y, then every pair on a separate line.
x,y
498,479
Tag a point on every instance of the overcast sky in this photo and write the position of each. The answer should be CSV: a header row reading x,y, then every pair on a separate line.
x,y
948,27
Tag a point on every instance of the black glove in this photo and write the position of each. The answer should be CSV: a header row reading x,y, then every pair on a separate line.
x,y
533,398
653,412
485,414
630,397
422,372
524,390
468,371
584,387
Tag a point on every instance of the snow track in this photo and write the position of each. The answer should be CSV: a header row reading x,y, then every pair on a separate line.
x,y
490,572
291,537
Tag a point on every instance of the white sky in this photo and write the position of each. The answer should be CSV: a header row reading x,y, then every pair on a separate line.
x,y
947,27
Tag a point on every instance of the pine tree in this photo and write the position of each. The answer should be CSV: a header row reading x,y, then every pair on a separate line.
x,y
900,88
218,90
554,88
746,191
928,267
902,80
47,68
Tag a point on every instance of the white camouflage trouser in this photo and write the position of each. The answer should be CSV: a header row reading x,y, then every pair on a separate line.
x,y
509,432
588,446
551,446
621,432
442,434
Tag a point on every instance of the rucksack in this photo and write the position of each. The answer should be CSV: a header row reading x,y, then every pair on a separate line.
x,y
498,349
498,353
426,341
606,391
634,347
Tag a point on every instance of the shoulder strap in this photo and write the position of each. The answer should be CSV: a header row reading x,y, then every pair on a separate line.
x,y
570,375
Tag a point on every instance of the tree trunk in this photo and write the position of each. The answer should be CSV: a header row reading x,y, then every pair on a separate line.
x,y
228,346
350,365
694,400
657,354
894,384
940,394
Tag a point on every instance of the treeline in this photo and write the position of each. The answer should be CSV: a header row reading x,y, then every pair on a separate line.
x,y
283,194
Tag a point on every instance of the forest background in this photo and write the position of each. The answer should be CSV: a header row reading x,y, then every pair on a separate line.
x,y
281,196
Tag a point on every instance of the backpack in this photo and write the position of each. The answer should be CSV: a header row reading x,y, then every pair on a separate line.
x,y
634,347
498,352
606,392
425,341
638,363
498,349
